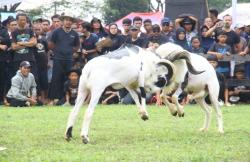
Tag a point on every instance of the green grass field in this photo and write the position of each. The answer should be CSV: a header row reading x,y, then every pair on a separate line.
x,y
118,134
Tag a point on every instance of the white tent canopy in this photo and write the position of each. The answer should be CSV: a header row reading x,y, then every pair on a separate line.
x,y
8,2
242,13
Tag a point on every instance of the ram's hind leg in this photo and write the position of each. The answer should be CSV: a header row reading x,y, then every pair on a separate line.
x,y
95,96
207,111
82,94
213,95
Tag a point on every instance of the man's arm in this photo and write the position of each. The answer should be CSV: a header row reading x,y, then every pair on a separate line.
x,y
15,89
4,40
76,43
31,43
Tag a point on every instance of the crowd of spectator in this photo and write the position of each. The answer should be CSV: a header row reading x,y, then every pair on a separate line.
x,y
54,54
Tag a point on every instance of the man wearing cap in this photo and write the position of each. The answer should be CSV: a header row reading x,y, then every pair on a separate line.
x,y
189,23
165,25
247,30
239,30
23,87
135,39
64,42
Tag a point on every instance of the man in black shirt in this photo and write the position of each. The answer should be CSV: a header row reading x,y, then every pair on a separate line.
x,y
233,40
23,44
64,42
4,45
135,39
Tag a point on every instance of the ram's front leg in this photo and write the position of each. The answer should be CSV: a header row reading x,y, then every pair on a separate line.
x,y
175,98
141,106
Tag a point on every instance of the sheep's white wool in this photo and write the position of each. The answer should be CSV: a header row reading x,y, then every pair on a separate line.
x,y
199,85
132,68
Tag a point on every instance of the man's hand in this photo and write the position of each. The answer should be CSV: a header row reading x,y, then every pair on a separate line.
x,y
219,56
84,52
32,101
3,47
243,53
21,43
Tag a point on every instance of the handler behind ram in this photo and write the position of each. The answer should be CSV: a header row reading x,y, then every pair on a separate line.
x,y
129,67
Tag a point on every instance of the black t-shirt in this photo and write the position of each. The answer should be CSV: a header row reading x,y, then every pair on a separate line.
x,y
41,52
64,43
4,40
117,41
89,43
27,53
143,43
160,39
232,38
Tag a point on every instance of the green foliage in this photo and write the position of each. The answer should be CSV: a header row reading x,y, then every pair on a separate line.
x,y
80,8
35,13
114,10
118,134
222,5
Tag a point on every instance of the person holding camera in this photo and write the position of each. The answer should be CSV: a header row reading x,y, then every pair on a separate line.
x,y
233,40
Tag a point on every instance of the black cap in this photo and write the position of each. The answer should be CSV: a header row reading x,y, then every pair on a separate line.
x,y
133,27
187,21
25,64
165,20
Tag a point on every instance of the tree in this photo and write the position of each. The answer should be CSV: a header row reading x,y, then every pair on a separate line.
x,y
114,9
34,13
79,8
222,5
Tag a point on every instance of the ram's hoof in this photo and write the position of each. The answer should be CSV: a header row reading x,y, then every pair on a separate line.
x,y
68,134
144,117
85,139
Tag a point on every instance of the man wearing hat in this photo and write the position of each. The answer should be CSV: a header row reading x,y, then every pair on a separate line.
x,y
165,25
23,87
135,38
189,23
64,42
247,30
239,30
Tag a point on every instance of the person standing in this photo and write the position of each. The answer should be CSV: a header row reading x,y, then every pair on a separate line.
x,y
4,45
233,40
64,42
126,23
23,44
